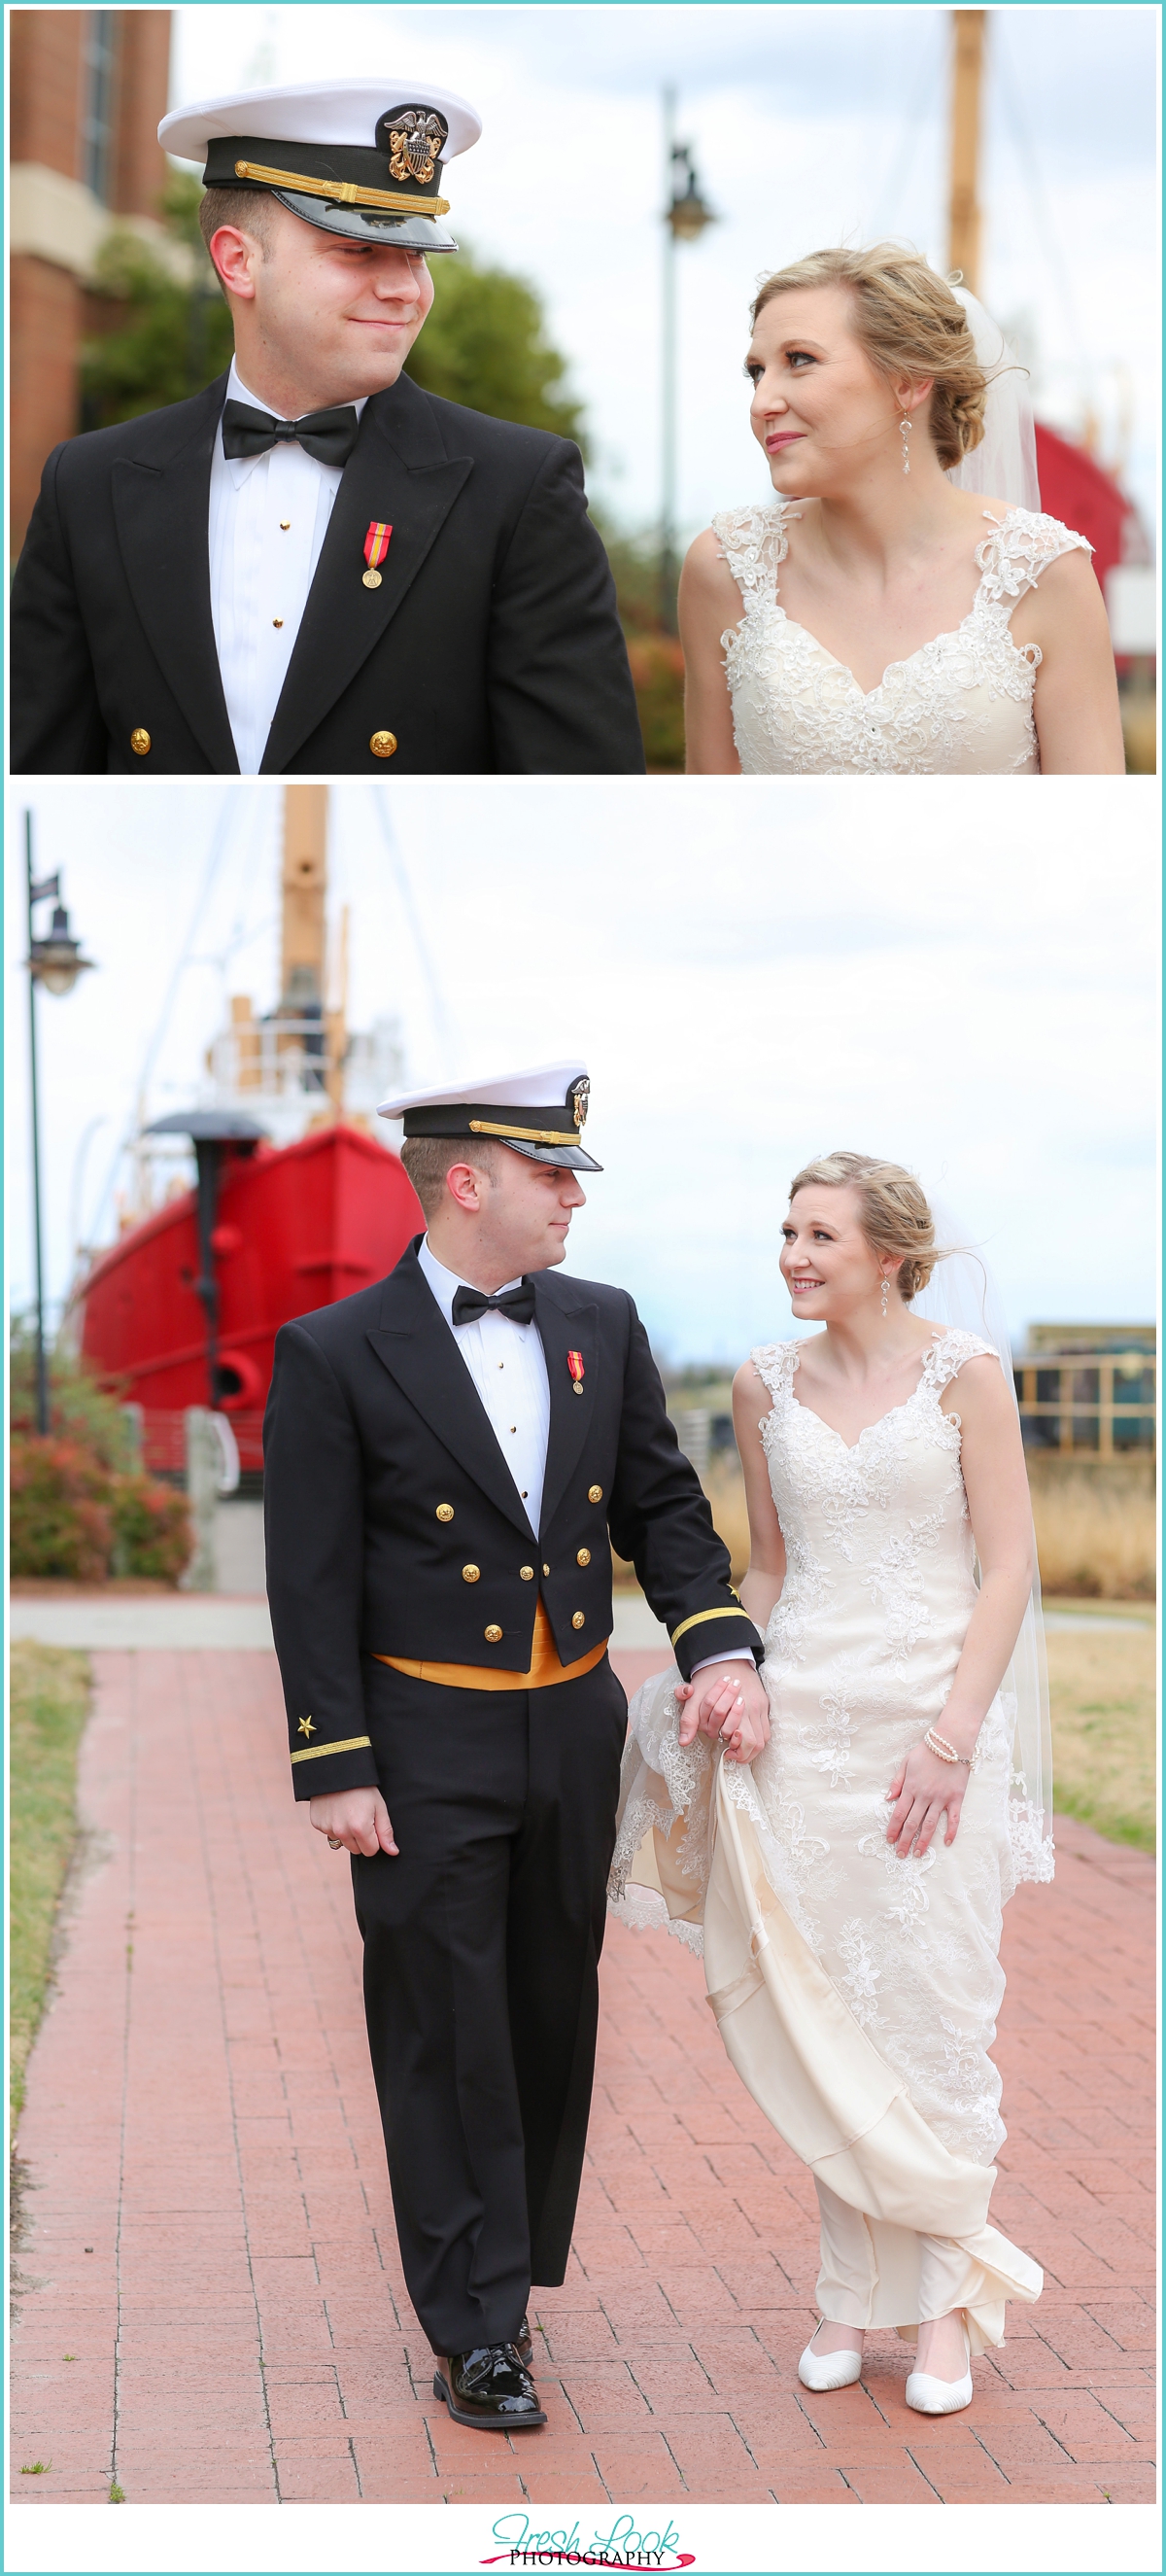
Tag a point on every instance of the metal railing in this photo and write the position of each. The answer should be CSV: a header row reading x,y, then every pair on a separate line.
x,y
273,1057
1095,1408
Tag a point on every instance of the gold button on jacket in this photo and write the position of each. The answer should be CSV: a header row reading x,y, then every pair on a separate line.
x,y
471,1573
595,1493
527,1573
140,741
546,1569
445,1511
493,1636
382,745
584,1556
577,1621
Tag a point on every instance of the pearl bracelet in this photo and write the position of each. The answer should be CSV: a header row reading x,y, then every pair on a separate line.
x,y
938,1744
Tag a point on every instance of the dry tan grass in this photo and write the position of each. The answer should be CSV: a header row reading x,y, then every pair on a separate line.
x,y
1095,1535
1095,1531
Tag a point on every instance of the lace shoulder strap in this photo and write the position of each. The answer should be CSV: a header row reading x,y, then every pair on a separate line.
x,y
1022,547
775,1363
946,1358
754,541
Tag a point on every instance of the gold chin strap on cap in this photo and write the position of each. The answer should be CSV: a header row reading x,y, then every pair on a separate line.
x,y
526,1135
341,192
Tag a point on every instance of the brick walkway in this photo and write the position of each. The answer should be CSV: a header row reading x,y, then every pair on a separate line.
x,y
213,2304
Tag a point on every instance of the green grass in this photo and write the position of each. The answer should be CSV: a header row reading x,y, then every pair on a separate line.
x,y
1104,1733
49,1702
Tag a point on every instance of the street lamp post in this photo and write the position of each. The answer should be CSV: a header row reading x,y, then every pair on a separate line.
x,y
685,218
55,962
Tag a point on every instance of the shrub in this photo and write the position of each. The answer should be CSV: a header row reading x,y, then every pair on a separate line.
x,y
657,668
61,1521
73,1520
151,1529
79,1409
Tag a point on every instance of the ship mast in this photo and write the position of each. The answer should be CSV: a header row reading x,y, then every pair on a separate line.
x,y
303,973
303,896
963,239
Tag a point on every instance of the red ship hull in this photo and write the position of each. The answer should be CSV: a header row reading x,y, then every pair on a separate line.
x,y
296,1227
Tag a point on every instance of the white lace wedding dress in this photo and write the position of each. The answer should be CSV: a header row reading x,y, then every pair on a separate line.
x,y
961,705
856,1993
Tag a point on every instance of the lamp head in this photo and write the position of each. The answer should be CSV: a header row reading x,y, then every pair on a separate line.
x,y
56,962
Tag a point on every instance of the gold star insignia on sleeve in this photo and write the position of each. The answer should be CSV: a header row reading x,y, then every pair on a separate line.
x,y
306,1725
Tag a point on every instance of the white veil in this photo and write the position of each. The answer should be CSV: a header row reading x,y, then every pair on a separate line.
x,y
962,1294
1004,463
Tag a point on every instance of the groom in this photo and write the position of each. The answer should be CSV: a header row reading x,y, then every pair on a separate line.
x,y
315,566
445,1457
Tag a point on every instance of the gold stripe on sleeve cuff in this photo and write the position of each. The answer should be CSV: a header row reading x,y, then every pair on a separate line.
x,y
699,1616
316,1752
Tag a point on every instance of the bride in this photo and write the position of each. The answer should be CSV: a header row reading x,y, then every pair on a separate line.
x,y
892,610
846,1878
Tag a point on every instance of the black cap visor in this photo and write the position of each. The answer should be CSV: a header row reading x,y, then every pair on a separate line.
x,y
570,1158
362,224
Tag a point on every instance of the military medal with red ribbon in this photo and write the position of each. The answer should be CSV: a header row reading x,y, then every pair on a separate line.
x,y
575,1364
376,547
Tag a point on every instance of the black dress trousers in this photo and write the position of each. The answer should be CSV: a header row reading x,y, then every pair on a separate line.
x,y
481,1954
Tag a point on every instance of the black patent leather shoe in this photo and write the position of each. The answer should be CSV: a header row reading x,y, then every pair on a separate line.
x,y
524,2345
489,2388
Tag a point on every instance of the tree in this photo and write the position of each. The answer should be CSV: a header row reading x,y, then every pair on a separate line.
x,y
657,662
485,345
163,336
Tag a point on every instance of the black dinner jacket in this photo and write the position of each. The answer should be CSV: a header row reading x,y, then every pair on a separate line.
x,y
374,1421
492,643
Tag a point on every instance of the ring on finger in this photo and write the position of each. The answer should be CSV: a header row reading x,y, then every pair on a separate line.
x,y
334,1843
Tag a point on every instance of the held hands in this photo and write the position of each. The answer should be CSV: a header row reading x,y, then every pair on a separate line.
x,y
731,1703
923,1789
358,1818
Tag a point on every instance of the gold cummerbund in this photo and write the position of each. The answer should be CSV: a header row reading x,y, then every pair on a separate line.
x,y
544,1667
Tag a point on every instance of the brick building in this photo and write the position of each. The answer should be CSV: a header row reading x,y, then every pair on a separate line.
x,y
87,89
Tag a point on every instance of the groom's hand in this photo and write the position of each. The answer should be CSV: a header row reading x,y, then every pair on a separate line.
x,y
729,1701
358,1818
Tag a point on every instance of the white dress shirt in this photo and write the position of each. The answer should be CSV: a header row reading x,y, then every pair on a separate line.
x,y
508,1366
268,520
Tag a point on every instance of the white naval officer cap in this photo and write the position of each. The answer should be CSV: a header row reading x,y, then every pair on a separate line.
x,y
362,157
540,1111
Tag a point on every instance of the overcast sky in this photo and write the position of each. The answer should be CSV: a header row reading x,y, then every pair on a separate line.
x,y
810,125
756,974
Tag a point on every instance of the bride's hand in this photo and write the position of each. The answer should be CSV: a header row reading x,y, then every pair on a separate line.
x,y
732,1704
923,1789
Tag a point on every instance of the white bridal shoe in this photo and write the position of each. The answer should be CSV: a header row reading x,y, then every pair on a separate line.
x,y
931,2396
821,2370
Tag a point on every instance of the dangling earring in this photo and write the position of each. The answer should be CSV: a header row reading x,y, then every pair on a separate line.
x,y
904,433
886,1294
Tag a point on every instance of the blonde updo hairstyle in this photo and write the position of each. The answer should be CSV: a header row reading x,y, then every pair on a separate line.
x,y
908,323
894,1215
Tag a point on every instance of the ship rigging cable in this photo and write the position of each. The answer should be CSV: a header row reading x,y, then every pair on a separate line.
x,y
219,840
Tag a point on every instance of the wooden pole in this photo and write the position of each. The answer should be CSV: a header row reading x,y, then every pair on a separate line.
x,y
304,892
963,251
336,1022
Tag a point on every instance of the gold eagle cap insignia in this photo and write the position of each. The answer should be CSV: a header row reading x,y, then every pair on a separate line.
x,y
416,141
580,1093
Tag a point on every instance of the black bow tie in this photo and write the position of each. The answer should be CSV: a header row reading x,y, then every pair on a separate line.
x,y
518,1303
329,436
